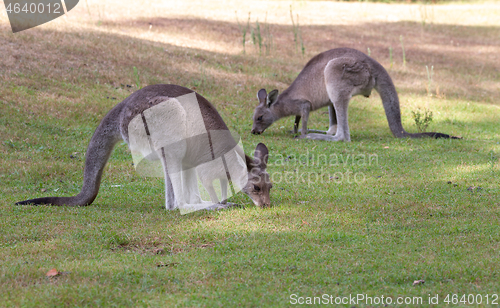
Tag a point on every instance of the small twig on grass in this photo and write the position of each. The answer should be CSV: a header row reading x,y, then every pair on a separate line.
x,y
297,35
429,80
390,55
403,48
136,77
268,44
244,31
88,10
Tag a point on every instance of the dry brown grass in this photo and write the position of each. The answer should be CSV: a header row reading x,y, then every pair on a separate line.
x,y
101,43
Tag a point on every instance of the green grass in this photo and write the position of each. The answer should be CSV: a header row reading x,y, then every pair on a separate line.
x,y
419,209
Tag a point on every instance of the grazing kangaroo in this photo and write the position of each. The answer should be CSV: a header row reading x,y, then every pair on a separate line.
x,y
183,130
331,79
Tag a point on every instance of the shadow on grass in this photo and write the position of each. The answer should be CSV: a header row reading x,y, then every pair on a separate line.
x,y
468,51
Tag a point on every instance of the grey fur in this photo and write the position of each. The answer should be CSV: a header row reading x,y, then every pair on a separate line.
x,y
330,79
114,127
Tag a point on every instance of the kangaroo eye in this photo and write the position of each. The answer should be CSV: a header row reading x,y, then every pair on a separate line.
x,y
256,188
259,118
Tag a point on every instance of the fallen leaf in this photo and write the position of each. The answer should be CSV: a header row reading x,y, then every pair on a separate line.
x,y
52,273
386,147
418,282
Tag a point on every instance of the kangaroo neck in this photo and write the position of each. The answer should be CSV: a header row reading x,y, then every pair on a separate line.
x,y
284,105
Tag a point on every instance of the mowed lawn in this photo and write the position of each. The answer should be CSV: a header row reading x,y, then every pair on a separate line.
x,y
362,220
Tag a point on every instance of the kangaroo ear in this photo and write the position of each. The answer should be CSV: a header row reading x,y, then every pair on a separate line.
x,y
260,156
271,98
262,96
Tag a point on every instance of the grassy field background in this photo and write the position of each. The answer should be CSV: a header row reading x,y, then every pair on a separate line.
x,y
379,214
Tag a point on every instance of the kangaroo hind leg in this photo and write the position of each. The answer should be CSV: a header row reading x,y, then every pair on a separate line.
x,y
332,130
170,201
344,78
340,102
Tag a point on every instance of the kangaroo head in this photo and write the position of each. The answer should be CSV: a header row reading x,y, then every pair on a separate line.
x,y
259,184
263,116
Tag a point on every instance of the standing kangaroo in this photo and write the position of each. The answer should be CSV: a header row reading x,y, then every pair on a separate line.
x,y
183,130
331,79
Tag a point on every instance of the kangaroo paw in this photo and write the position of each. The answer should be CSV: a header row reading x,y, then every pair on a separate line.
x,y
221,206
332,130
325,137
316,131
312,131
231,205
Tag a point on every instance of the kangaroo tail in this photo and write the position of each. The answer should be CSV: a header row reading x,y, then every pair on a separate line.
x,y
390,100
100,147
432,135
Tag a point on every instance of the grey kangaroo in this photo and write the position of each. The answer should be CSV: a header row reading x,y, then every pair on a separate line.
x,y
182,130
330,79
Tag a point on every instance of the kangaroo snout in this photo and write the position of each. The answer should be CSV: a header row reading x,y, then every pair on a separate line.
x,y
262,202
255,132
